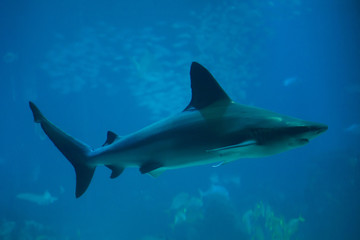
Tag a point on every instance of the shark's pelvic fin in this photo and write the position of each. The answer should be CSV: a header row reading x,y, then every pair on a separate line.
x,y
157,172
74,150
150,166
205,89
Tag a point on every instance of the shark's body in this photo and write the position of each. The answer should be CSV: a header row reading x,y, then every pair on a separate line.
x,y
211,129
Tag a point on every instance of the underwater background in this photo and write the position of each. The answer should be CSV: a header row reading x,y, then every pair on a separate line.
x,y
93,66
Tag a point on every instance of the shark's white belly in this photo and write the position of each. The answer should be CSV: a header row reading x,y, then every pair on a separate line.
x,y
171,156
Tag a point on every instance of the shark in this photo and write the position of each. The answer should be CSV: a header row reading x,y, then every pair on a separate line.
x,y
212,129
40,199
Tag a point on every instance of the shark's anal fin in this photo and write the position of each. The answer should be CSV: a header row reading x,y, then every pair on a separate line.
x,y
150,166
111,137
230,147
116,170
205,89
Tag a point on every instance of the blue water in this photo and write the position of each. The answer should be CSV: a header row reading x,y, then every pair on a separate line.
x,y
94,66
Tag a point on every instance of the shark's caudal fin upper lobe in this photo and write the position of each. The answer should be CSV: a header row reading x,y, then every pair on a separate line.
x,y
74,150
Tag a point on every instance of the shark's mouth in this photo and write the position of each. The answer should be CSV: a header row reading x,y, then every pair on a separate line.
x,y
298,142
303,140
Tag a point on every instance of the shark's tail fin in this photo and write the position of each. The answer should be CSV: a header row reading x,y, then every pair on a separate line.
x,y
74,150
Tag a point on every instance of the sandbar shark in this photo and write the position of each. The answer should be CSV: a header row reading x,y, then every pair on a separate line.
x,y
212,129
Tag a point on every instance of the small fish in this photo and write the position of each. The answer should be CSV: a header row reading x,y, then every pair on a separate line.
x,y
353,128
289,81
40,199
216,190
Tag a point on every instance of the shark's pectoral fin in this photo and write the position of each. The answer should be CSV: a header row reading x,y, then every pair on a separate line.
x,y
150,166
116,170
218,164
235,146
111,137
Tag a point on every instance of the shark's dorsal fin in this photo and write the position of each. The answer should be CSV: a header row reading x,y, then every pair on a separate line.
x,y
111,137
205,89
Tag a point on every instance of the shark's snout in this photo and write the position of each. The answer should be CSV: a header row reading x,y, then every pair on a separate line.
x,y
318,128
311,131
302,135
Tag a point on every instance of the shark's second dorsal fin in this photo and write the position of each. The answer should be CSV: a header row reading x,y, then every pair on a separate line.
x,y
205,89
111,137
